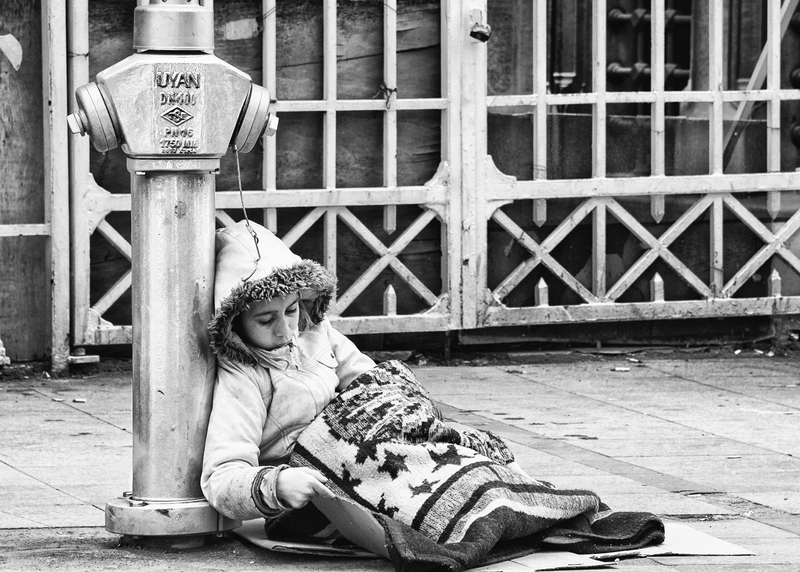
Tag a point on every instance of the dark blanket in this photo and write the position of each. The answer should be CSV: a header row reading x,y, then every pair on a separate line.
x,y
445,496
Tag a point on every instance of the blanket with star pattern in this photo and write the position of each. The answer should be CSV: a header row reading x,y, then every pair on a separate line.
x,y
446,495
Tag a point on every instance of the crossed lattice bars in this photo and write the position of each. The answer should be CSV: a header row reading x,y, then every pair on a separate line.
x,y
658,248
387,255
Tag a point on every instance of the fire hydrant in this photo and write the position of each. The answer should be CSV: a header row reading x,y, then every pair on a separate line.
x,y
175,109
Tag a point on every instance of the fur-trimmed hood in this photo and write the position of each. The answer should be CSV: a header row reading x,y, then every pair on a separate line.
x,y
239,281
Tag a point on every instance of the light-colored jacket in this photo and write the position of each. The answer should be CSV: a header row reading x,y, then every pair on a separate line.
x,y
260,410
264,399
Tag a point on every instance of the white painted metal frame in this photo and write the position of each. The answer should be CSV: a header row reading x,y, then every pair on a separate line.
x,y
438,197
56,175
56,193
90,205
492,189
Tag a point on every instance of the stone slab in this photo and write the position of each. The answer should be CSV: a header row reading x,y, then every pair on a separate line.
x,y
787,501
59,515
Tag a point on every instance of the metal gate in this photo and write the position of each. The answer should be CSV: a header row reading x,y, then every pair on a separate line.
x,y
640,193
557,195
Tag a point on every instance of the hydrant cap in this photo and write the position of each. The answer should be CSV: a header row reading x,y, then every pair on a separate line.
x,y
167,26
253,119
94,117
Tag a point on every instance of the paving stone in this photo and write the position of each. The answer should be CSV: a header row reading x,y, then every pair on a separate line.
x,y
97,495
727,367
786,501
788,523
738,528
13,521
604,484
767,551
116,469
745,473
12,476
665,504
673,447
543,465
59,515
25,493
713,564
74,453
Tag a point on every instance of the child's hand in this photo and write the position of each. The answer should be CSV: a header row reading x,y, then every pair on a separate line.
x,y
298,485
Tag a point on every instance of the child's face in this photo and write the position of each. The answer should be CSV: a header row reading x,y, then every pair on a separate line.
x,y
270,324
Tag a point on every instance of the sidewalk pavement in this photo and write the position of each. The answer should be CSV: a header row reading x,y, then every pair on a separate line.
x,y
713,443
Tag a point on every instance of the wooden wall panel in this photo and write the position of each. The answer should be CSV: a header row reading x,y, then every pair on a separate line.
x,y
24,312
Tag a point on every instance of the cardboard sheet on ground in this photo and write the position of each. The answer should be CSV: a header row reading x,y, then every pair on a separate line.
x,y
363,530
547,560
253,532
682,540
360,527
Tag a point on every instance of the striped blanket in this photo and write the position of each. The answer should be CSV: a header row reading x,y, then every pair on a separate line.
x,y
446,496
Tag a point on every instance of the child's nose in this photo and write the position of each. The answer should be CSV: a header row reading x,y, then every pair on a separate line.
x,y
283,328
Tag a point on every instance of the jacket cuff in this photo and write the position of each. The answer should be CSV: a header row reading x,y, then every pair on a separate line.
x,y
265,492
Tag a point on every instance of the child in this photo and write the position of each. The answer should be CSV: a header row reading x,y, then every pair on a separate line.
x,y
279,363
441,496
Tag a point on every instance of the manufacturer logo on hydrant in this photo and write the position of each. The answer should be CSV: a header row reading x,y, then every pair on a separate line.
x,y
176,116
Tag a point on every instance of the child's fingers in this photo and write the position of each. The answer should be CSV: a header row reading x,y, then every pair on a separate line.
x,y
314,473
323,491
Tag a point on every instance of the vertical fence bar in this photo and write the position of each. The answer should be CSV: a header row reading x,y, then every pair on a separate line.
x,y
716,220
78,66
716,141
657,120
269,68
774,85
56,175
657,49
599,87
330,57
390,113
715,73
329,246
774,104
539,71
452,31
599,250
474,233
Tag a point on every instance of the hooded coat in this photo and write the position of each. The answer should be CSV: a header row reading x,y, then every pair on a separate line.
x,y
264,398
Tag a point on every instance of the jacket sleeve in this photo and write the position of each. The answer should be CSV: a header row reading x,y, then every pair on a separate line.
x,y
351,362
232,478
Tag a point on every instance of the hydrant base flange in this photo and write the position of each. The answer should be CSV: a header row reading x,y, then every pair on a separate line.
x,y
128,517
